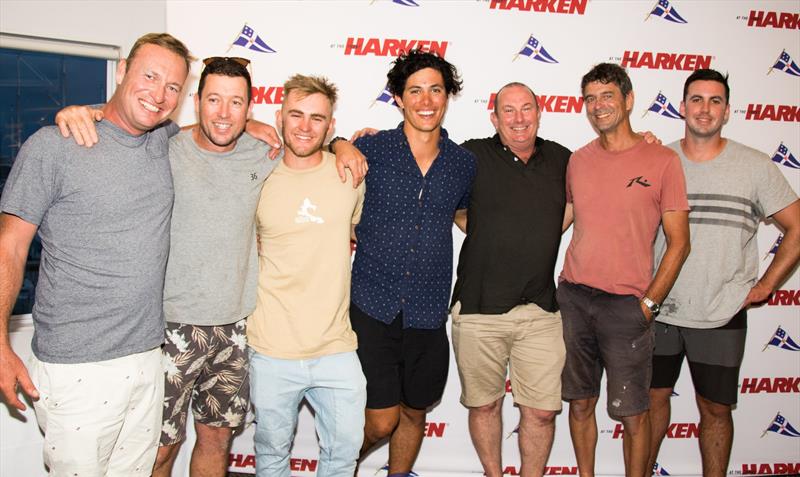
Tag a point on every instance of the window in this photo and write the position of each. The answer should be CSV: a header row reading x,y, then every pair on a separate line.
x,y
38,77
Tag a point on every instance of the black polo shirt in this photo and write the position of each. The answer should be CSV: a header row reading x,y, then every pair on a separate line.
x,y
513,228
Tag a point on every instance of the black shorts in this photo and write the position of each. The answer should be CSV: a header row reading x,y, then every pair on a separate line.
x,y
406,366
714,355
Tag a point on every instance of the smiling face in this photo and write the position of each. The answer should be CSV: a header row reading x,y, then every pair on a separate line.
x,y
305,121
516,119
606,107
424,101
149,87
705,108
222,110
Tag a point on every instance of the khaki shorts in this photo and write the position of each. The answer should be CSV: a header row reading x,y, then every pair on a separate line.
x,y
101,418
527,341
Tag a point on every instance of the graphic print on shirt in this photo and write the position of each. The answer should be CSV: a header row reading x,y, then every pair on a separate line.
x,y
638,180
304,213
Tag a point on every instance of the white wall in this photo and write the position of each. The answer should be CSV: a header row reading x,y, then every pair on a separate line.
x,y
117,22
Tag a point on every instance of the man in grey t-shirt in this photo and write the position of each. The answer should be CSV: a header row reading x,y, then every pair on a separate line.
x,y
731,188
212,272
103,215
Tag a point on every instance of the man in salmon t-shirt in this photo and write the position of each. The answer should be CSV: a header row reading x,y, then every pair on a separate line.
x,y
619,189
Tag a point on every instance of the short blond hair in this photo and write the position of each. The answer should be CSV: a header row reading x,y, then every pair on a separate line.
x,y
308,85
164,40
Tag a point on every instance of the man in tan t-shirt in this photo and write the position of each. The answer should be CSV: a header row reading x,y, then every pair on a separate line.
x,y
301,342
620,189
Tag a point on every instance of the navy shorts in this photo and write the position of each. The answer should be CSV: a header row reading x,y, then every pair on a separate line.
x,y
402,365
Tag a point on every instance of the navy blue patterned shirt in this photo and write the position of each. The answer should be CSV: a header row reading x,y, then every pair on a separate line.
x,y
404,258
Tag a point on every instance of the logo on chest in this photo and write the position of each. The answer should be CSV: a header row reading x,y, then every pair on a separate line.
x,y
640,180
305,214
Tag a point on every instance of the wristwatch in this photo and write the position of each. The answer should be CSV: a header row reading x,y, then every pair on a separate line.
x,y
652,306
333,141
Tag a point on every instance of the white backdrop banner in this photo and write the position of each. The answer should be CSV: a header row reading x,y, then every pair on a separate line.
x,y
549,45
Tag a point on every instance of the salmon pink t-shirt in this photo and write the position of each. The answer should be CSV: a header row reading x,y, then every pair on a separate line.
x,y
618,199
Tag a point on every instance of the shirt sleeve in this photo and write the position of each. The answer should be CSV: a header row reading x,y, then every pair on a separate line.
x,y
362,188
673,186
31,187
773,191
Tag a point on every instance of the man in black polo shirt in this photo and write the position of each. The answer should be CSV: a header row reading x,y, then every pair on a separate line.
x,y
504,311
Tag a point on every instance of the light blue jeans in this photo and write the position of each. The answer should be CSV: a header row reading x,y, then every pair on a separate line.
x,y
335,388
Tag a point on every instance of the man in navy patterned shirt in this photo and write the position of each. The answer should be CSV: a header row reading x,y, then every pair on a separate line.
x,y
402,273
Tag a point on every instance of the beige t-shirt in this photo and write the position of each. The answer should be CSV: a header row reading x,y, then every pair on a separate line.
x,y
304,219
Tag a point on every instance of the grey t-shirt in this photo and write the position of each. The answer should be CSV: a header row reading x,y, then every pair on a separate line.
x,y
728,196
212,272
103,215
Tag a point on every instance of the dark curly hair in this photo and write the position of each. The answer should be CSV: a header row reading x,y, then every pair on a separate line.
x,y
608,73
410,62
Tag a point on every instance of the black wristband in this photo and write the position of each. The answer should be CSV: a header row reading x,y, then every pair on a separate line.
x,y
333,141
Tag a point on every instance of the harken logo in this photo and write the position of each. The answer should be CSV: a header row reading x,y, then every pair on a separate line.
x,y
676,430
569,7
784,298
665,61
776,468
770,385
392,47
762,19
267,94
548,470
243,461
553,103
772,112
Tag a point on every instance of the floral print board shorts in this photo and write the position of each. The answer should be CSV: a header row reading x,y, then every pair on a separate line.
x,y
207,365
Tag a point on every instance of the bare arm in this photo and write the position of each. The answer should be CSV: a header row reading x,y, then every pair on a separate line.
x,y
348,156
266,134
568,217
785,259
676,230
15,238
460,219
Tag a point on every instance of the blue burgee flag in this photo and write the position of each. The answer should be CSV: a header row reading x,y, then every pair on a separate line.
x,y
658,470
782,340
537,52
784,157
781,426
786,64
664,10
250,40
406,3
774,249
386,97
663,107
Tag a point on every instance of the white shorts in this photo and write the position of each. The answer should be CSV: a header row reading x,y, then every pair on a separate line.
x,y
101,418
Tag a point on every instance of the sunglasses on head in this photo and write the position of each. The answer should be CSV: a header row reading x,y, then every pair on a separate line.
x,y
213,59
